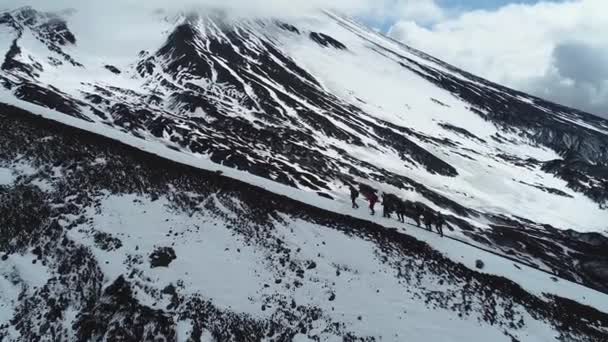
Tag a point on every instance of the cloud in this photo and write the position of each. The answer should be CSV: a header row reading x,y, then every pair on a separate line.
x,y
237,7
100,25
581,62
421,11
551,49
578,76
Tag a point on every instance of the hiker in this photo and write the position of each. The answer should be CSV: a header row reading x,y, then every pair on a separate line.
x,y
387,205
354,193
400,210
428,219
417,211
439,222
372,198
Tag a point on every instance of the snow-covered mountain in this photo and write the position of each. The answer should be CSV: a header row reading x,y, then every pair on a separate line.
x,y
191,185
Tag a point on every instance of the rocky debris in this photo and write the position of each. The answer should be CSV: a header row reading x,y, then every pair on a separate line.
x,y
107,242
118,316
24,215
162,257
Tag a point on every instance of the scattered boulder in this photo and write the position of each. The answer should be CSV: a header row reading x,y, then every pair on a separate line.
x,y
162,257
479,264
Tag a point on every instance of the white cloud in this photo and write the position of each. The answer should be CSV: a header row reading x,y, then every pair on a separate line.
x,y
421,11
555,50
237,7
101,24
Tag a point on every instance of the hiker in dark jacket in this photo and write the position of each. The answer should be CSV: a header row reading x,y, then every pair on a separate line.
x,y
439,222
401,210
429,219
417,212
387,204
354,193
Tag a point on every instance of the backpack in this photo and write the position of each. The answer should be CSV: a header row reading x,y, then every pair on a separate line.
x,y
373,198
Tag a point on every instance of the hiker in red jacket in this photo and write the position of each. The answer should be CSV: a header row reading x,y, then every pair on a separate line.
x,y
372,198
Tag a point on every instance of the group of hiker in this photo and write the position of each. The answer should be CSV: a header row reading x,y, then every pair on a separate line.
x,y
393,204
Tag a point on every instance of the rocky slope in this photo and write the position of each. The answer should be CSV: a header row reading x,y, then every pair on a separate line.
x,y
104,242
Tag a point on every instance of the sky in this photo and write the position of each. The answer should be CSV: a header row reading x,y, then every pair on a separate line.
x,y
555,49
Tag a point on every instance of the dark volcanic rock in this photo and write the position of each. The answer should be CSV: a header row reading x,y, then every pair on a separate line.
x,y
49,98
112,69
326,40
24,214
56,31
162,257
12,64
118,316
107,242
462,131
288,27
582,176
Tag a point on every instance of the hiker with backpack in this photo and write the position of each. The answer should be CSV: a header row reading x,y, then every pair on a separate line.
x,y
439,222
354,194
429,219
387,205
373,199
401,210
